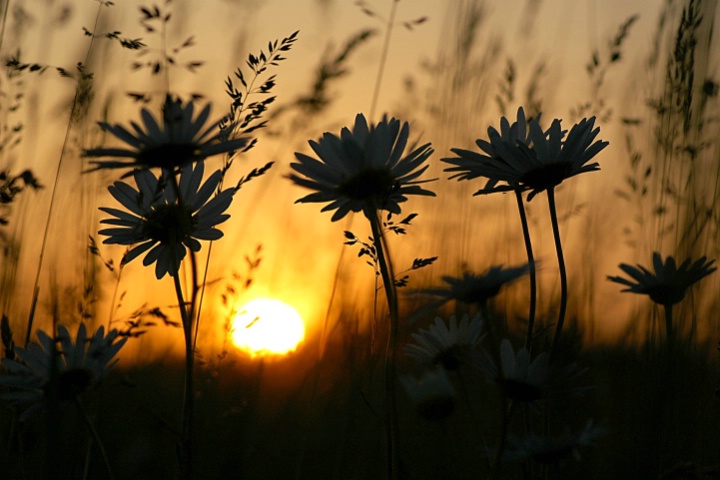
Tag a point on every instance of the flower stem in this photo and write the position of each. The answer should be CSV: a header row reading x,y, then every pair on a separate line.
x,y
669,324
531,264
187,315
561,265
390,351
94,434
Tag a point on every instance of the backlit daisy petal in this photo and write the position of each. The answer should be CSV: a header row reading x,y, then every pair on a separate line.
x,y
163,225
363,169
446,346
177,140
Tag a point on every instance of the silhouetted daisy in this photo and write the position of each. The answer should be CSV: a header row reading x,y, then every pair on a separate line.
x,y
551,450
669,283
79,365
475,289
467,163
446,345
432,393
524,380
541,162
363,169
158,224
171,143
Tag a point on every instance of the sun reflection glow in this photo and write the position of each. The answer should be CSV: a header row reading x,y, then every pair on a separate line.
x,y
267,326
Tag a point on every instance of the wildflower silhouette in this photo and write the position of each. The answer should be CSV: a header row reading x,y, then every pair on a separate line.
x,y
465,165
161,224
446,345
538,162
668,284
364,170
476,289
524,380
42,369
171,143
551,450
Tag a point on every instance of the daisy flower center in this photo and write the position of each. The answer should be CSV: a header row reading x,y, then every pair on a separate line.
x,y
478,293
70,383
666,294
169,222
367,184
547,176
168,154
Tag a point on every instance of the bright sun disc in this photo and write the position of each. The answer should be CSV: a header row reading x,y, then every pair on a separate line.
x,y
267,326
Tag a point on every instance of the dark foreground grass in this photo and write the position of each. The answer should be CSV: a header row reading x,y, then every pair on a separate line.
x,y
261,420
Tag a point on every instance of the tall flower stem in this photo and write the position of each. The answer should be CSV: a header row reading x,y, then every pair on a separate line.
x,y
669,324
391,422
561,265
187,315
531,264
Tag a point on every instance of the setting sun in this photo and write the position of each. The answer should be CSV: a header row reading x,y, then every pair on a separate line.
x,y
267,327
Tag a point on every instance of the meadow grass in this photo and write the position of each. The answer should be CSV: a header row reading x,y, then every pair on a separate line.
x,y
541,395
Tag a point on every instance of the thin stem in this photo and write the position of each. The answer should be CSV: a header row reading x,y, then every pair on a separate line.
x,y
531,264
383,58
669,323
390,351
187,320
561,265
94,434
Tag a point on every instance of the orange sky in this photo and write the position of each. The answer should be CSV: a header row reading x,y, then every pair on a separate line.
x,y
301,246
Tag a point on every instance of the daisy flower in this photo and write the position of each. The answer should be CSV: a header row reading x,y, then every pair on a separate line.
x,y
551,450
446,345
669,283
524,380
476,288
159,224
537,163
432,393
363,169
467,161
78,366
177,139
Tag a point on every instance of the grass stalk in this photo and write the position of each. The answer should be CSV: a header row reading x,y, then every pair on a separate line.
x,y
383,59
